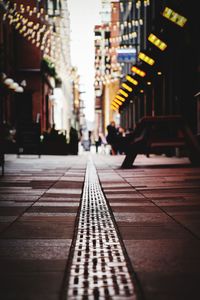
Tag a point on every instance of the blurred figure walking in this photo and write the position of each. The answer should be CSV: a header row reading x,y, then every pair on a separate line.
x,y
98,142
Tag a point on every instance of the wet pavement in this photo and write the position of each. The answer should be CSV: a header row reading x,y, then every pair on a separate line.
x,y
156,206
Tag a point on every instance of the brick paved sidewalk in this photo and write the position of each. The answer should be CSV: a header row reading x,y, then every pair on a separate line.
x,y
157,209
156,206
39,199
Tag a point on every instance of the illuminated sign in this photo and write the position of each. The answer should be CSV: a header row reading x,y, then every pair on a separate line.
x,y
126,55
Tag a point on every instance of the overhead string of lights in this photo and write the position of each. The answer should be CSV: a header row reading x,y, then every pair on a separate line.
x,y
33,24
27,21
126,25
144,2
130,3
122,25
112,44
110,72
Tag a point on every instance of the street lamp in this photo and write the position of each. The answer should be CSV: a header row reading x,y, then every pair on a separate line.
x,y
10,84
14,86
8,81
19,89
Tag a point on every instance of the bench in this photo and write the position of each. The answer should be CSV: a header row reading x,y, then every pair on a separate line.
x,y
158,135
2,163
2,160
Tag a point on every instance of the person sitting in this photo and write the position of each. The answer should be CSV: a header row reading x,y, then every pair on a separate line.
x,y
112,137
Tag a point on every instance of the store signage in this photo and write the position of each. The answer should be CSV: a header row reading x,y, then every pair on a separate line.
x,y
126,55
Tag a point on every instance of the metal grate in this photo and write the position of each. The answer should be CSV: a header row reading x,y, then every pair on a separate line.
x,y
99,269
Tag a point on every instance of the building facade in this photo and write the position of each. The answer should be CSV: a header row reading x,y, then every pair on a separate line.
x,y
35,56
157,52
107,68
168,35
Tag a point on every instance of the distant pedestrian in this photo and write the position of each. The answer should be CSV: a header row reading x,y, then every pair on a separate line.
x,y
98,142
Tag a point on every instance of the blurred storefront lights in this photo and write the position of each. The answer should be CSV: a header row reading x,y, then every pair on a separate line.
x,y
174,17
123,93
118,102
150,61
157,42
115,104
113,108
120,98
127,87
138,71
132,80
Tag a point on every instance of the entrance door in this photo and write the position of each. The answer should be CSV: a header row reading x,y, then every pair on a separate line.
x,y
24,108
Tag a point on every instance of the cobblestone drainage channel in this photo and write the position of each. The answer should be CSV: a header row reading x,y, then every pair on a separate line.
x,y
98,267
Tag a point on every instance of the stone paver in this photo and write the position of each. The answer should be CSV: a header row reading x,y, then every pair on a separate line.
x,y
156,206
160,224
38,207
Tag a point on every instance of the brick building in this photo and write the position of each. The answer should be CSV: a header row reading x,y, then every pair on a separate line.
x,y
34,52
